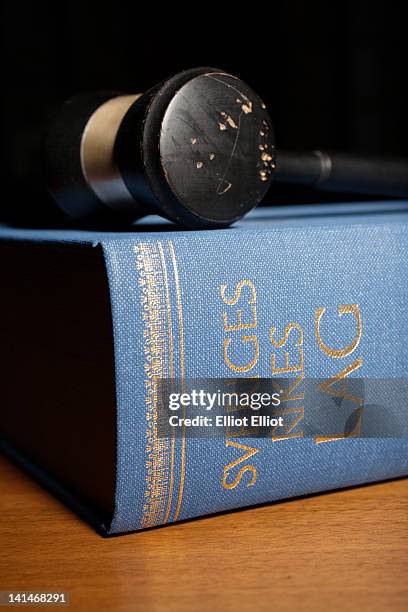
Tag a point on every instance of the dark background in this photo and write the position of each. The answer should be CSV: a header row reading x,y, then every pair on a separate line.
x,y
333,74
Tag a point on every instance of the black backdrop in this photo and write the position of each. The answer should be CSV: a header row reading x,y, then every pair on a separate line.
x,y
332,73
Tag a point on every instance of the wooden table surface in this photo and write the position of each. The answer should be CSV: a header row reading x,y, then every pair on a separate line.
x,y
341,550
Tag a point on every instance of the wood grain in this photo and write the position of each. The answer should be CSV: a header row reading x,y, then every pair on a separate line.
x,y
346,549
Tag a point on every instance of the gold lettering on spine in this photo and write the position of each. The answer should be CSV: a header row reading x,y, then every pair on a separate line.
x,y
248,468
238,295
233,301
291,342
340,378
248,366
297,367
296,415
352,309
232,485
243,299
341,392
327,385
291,388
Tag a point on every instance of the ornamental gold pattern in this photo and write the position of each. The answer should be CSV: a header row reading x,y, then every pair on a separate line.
x,y
163,334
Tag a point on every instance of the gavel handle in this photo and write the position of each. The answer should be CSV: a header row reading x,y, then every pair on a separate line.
x,y
342,172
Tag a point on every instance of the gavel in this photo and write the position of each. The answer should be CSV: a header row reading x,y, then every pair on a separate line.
x,y
198,148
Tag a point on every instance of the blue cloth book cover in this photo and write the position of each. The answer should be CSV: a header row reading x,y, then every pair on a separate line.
x,y
317,296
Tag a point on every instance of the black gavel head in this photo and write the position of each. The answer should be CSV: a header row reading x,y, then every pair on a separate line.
x,y
197,149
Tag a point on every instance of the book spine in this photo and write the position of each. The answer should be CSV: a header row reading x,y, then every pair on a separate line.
x,y
303,302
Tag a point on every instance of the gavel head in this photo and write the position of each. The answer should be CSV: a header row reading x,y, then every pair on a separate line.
x,y
198,149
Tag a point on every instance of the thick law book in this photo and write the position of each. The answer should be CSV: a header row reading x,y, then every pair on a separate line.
x,y
92,322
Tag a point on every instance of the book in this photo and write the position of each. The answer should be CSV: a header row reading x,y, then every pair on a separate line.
x,y
93,321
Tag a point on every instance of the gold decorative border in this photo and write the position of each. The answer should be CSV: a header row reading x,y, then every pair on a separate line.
x,y
182,372
171,372
154,282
